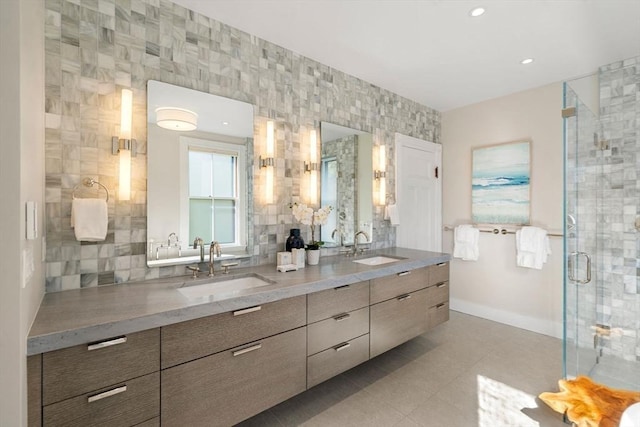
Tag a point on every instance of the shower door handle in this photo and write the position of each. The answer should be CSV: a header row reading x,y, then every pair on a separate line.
x,y
572,277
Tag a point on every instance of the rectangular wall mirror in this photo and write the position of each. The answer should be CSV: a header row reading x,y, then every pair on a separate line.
x,y
347,184
199,148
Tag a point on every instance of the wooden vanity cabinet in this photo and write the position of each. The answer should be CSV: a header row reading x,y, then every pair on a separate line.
x,y
438,294
398,320
228,387
185,341
337,332
114,382
237,364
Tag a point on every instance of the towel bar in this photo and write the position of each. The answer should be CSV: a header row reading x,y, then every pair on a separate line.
x,y
89,182
499,231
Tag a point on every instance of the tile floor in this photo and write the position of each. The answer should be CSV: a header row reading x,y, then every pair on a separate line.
x,y
466,372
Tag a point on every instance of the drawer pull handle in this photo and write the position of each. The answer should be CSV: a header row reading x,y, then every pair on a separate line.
x,y
441,285
442,264
403,297
342,346
247,350
341,317
339,288
109,343
247,310
404,273
107,393
439,306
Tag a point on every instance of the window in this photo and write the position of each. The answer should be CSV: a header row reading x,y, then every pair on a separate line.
x,y
215,192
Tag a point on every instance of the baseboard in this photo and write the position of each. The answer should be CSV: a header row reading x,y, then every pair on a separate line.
x,y
541,326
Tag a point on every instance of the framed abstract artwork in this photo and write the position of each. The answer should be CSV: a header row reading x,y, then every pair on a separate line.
x,y
501,187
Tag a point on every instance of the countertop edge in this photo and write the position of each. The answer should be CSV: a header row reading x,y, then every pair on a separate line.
x,y
43,343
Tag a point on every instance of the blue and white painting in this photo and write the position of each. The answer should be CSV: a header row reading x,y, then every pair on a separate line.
x,y
500,190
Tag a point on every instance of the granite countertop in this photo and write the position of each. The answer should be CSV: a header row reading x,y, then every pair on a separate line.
x,y
80,316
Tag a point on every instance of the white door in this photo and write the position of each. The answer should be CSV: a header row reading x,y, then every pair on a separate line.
x,y
419,193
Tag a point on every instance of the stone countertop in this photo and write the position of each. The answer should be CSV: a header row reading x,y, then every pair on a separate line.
x,y
81,316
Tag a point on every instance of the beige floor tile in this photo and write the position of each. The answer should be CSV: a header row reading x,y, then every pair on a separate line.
x,y
468,372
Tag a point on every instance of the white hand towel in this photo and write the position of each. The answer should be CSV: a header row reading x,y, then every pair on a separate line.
x,y
532,247
465,243
391,213
89,218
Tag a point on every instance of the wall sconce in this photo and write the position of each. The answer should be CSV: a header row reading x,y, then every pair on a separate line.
x,y
380,175
313,167
177,119
268,161
124,145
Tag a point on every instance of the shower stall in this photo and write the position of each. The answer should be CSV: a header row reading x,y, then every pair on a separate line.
x,y
602,226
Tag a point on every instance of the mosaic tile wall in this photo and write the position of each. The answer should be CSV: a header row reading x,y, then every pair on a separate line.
x,y
618,240
94,48
605,193
345,152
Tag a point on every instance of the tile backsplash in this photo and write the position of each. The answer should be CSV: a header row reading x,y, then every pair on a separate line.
x,y
95,48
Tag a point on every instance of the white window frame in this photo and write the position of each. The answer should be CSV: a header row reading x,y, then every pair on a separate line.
x,y
240,151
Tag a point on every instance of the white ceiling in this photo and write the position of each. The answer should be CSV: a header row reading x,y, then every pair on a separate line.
x,y
433,52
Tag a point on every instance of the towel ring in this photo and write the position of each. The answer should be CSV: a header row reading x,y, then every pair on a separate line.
x,y
89,182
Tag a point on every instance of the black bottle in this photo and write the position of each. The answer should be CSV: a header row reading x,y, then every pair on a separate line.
x,y
294,241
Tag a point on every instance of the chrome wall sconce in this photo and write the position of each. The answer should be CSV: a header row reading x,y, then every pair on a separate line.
x,y
124,145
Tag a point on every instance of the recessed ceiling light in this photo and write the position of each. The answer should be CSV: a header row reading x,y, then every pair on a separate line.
x,y
225,123
526,61
478,11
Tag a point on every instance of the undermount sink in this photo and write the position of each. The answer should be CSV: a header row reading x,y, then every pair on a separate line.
x,y
377,260
224,286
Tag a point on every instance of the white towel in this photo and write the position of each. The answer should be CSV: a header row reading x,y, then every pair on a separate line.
x,y
532,247
391,213
465,242
89,218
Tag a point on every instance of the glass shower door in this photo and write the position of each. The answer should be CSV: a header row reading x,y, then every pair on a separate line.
x,y
582,171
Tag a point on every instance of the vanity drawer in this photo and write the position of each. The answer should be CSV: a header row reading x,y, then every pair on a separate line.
x,y
398,320
438,314
334,330
335,360
438,273
197,338
81,369
438,293
123,404
384,288
231,386
324,304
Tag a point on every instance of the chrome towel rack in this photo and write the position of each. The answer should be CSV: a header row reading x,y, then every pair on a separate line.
x,y
498,231
88,182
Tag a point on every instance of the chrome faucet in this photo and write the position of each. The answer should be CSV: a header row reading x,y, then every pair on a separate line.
x,y
199,242
213,247
333,235
355,240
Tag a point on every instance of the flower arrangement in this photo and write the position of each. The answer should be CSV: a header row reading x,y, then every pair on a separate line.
x,y
307,216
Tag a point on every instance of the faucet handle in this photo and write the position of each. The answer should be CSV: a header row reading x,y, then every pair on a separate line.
x,y
195,271
226,266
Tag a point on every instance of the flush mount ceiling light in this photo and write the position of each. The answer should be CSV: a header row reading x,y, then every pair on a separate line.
x,y
477,11
526,61
176,119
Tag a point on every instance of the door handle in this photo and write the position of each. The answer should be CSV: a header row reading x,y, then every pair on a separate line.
x,y
570,267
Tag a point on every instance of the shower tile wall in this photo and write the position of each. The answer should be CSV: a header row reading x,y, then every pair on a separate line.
x,y
620,191
95,48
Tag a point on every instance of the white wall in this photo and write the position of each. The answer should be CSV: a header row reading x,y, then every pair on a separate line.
x,y
22,178
494,287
